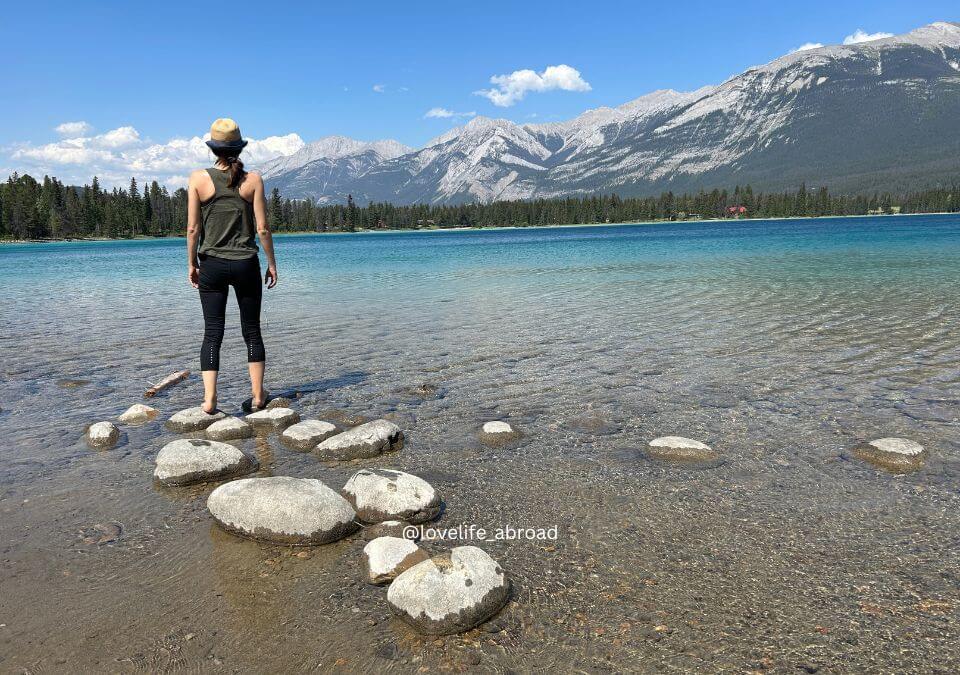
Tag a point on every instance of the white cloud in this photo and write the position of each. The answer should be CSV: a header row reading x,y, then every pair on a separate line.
x,y
805,46
119,154
379,88
443,113
73,129
862,36
509,89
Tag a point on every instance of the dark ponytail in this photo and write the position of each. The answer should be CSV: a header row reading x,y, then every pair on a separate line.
x,y
231,157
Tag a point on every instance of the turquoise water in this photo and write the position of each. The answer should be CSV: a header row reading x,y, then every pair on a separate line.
x,y
779,343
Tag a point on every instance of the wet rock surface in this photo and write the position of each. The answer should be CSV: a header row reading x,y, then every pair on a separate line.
x,y
451,592
680,449
386,557
273,418
498,433
363,442
898,455
281,509
229,429
279,402
387,494
307,434
102,435
138,413
391,528
193,419
194,460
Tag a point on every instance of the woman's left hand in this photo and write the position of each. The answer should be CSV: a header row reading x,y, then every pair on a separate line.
x,y
270,278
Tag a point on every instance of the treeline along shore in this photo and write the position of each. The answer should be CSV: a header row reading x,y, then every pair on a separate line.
x,y
48,209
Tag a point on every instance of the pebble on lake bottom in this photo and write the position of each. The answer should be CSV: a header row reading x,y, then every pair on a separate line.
x,y
102,435
283,510
451,592
194,460
898,455
386,557
386,494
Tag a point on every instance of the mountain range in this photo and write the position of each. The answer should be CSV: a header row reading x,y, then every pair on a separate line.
x,y
878,115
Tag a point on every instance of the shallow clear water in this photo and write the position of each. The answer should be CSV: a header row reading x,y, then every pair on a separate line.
x,y
780,343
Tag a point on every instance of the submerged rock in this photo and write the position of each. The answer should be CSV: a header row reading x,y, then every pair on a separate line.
x,y
450,593
497,433
102,435
681,449
386,557
362,442
138,414
306,434
899,455
193,419
229,429
273,418
385,494
300,511
194,460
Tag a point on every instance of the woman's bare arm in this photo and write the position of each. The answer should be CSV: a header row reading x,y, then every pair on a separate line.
x,y
263,229
193,232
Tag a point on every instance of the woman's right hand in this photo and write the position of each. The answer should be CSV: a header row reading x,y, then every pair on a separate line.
x,y
193,276
270,278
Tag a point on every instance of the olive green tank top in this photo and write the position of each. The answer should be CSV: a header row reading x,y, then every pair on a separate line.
x,y
228,229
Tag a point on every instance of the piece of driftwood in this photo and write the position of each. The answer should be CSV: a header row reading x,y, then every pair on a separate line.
x,y
168,381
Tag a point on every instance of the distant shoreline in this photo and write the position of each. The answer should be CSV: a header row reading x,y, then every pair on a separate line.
x,y
480,229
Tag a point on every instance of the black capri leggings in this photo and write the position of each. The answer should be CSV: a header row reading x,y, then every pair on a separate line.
x,y
216,276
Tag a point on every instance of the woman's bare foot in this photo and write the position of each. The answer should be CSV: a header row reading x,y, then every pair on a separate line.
x,y
261,400
210,406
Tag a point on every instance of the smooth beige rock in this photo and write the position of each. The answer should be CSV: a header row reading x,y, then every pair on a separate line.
x,y
386,557
195,460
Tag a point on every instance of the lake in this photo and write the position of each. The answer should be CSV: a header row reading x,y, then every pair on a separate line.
x,y
779,343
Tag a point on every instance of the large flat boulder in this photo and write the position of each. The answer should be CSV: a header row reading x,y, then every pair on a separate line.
x,y
273,418
193,419
195,460
450,593
362,442
102,435
229,429
386,557
306,434
386,494
284,510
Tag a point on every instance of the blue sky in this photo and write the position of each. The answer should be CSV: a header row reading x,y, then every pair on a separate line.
x,y
371,70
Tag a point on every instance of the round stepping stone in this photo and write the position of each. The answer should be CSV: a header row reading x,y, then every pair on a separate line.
x,y
305,435
386,557
284,510
681,449
229,429
362,442
102,435
385,494
138,414
893,454
392,528
450,593
273,418
194,460
497,433
193,419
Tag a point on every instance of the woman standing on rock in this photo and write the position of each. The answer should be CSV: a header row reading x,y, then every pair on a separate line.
x,y
225,211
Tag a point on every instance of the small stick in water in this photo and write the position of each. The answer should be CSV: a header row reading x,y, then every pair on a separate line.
x,y
168,381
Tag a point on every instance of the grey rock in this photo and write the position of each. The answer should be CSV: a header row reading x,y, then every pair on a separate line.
x,y
306,434
897,455
386,557
193,419
138,414
102,435
300,511
279,402
229,429
194,460
362,442
498,433
273,418
678,448
450,593
386,494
